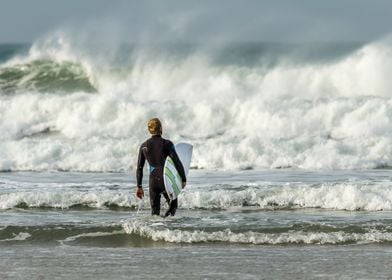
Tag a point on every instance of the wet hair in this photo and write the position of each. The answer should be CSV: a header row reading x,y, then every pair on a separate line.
x,y
155,126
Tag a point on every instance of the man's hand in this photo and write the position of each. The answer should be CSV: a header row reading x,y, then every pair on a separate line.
x,y
139,192
183,184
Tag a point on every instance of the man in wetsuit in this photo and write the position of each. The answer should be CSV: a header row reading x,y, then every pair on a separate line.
x,y
155,150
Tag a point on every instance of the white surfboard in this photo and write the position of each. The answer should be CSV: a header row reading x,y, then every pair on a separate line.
x,y
172,180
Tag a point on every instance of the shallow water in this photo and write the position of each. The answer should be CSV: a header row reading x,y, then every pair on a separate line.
x,y
197,262
251,225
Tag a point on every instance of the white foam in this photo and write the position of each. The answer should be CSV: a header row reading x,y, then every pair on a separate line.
x,y
342,196
66,199
338,196
250,237
91,234
21,236
333,115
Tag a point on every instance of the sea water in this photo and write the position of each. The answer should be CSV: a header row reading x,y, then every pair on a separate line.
x,y
247,224
290,176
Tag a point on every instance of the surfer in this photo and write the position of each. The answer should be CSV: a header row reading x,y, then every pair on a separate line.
x,y
155,150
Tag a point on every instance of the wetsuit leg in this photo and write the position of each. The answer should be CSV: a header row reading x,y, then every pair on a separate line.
x,y
172,205
156,188
155,201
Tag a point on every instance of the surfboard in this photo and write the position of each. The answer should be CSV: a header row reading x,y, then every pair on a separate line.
x,y
171,178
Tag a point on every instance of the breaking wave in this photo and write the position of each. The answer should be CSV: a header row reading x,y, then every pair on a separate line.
x,y
140,232
252,237
44,76
339,196
332,113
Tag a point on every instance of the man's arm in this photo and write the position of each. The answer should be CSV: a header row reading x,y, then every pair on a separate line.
x,y
177,163
139,170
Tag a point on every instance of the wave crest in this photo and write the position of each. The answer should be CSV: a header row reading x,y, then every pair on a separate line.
x,y
342,196
45,76
251,237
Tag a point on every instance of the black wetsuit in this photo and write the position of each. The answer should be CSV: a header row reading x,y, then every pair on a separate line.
x,y
155,150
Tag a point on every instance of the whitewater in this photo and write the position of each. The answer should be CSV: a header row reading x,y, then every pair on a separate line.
x,y
75,108
267,190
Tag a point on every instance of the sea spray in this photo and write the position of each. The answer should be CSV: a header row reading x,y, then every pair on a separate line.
x,y
330,113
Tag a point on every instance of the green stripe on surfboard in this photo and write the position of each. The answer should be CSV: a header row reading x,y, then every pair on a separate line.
x,y
172,178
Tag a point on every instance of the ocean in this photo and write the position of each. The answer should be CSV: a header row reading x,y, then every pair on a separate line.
x,y
290,177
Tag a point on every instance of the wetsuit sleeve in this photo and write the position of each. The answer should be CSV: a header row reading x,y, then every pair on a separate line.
x,y
140,164
177,162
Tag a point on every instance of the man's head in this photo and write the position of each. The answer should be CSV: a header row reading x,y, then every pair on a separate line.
x,y
155,126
